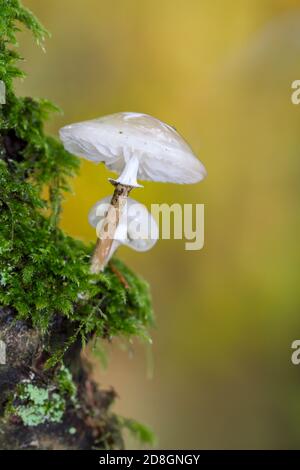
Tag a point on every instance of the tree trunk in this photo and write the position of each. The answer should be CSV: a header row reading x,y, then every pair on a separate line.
x,y
86,424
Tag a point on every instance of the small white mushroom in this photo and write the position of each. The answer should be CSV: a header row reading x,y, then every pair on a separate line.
x,y
135,145
137,227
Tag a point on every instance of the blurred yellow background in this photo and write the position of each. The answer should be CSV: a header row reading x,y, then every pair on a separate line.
x,y
221,73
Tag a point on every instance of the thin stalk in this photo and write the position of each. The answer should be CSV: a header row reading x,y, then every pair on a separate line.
x,y
109,227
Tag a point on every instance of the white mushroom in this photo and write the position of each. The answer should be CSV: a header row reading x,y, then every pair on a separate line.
x,y
134,145
137,227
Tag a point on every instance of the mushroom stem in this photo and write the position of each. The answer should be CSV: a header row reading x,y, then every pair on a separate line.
x,y
128,176
110,224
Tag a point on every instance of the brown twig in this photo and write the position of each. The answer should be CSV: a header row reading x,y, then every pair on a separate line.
x,y
119,275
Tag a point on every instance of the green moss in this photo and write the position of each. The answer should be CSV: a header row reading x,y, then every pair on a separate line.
x,y
38,405
35,394
43,271
139,431
65,383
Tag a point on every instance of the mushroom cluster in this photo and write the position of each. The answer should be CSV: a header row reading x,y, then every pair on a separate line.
x,y
136,146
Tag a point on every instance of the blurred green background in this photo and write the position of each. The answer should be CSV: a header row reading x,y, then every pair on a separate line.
x,y
221,72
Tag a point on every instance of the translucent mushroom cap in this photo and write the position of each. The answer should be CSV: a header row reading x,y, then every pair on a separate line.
x,y
163,155
137,227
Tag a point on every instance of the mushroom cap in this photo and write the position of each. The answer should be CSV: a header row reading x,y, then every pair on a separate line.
x,y
162,153
137,227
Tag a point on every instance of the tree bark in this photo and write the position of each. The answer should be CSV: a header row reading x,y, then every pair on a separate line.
x,y
93,425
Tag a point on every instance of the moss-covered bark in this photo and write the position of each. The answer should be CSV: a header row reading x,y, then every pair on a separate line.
x,y
84,420
50,303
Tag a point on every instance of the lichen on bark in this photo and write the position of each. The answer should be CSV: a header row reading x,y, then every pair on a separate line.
x,y
50,303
